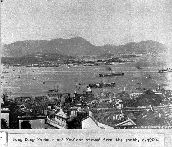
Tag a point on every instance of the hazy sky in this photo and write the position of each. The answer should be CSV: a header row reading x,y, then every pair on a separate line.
x,y
99,21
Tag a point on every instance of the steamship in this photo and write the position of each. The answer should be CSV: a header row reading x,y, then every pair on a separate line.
x,y
165,70
111,74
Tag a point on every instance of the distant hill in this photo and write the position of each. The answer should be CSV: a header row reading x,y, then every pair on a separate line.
x,y
23,48
143,47
37,58
79,47
72,47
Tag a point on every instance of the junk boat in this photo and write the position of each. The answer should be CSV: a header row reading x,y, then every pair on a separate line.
x,y
165,70
102,85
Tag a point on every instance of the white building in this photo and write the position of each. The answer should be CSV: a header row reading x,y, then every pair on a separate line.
x,y
119,104
91,123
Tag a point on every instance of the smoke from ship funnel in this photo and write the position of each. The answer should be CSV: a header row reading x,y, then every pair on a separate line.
x,y
108,68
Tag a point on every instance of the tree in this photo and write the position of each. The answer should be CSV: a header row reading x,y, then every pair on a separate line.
x,y
65,101
123,95
149,98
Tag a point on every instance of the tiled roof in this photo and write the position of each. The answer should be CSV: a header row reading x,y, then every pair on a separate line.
x,y
161,116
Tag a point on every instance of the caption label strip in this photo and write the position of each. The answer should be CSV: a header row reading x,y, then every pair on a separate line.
x,y
86,139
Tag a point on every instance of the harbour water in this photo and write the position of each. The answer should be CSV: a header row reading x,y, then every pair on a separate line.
x,y
37,80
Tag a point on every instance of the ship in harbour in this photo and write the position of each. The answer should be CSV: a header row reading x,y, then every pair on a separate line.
x,y
111,74
165,70
102,85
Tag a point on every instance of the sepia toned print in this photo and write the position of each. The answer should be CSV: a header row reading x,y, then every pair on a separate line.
x,y
80,64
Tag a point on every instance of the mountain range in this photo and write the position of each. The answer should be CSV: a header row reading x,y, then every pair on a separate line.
x,y
78,47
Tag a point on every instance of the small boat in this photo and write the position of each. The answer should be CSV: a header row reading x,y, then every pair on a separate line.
x,y
139,67
28,65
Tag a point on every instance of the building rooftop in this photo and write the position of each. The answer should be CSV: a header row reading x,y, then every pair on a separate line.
x,y
91,123
62,114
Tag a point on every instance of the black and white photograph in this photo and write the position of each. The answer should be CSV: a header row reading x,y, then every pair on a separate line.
x,y
86,64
